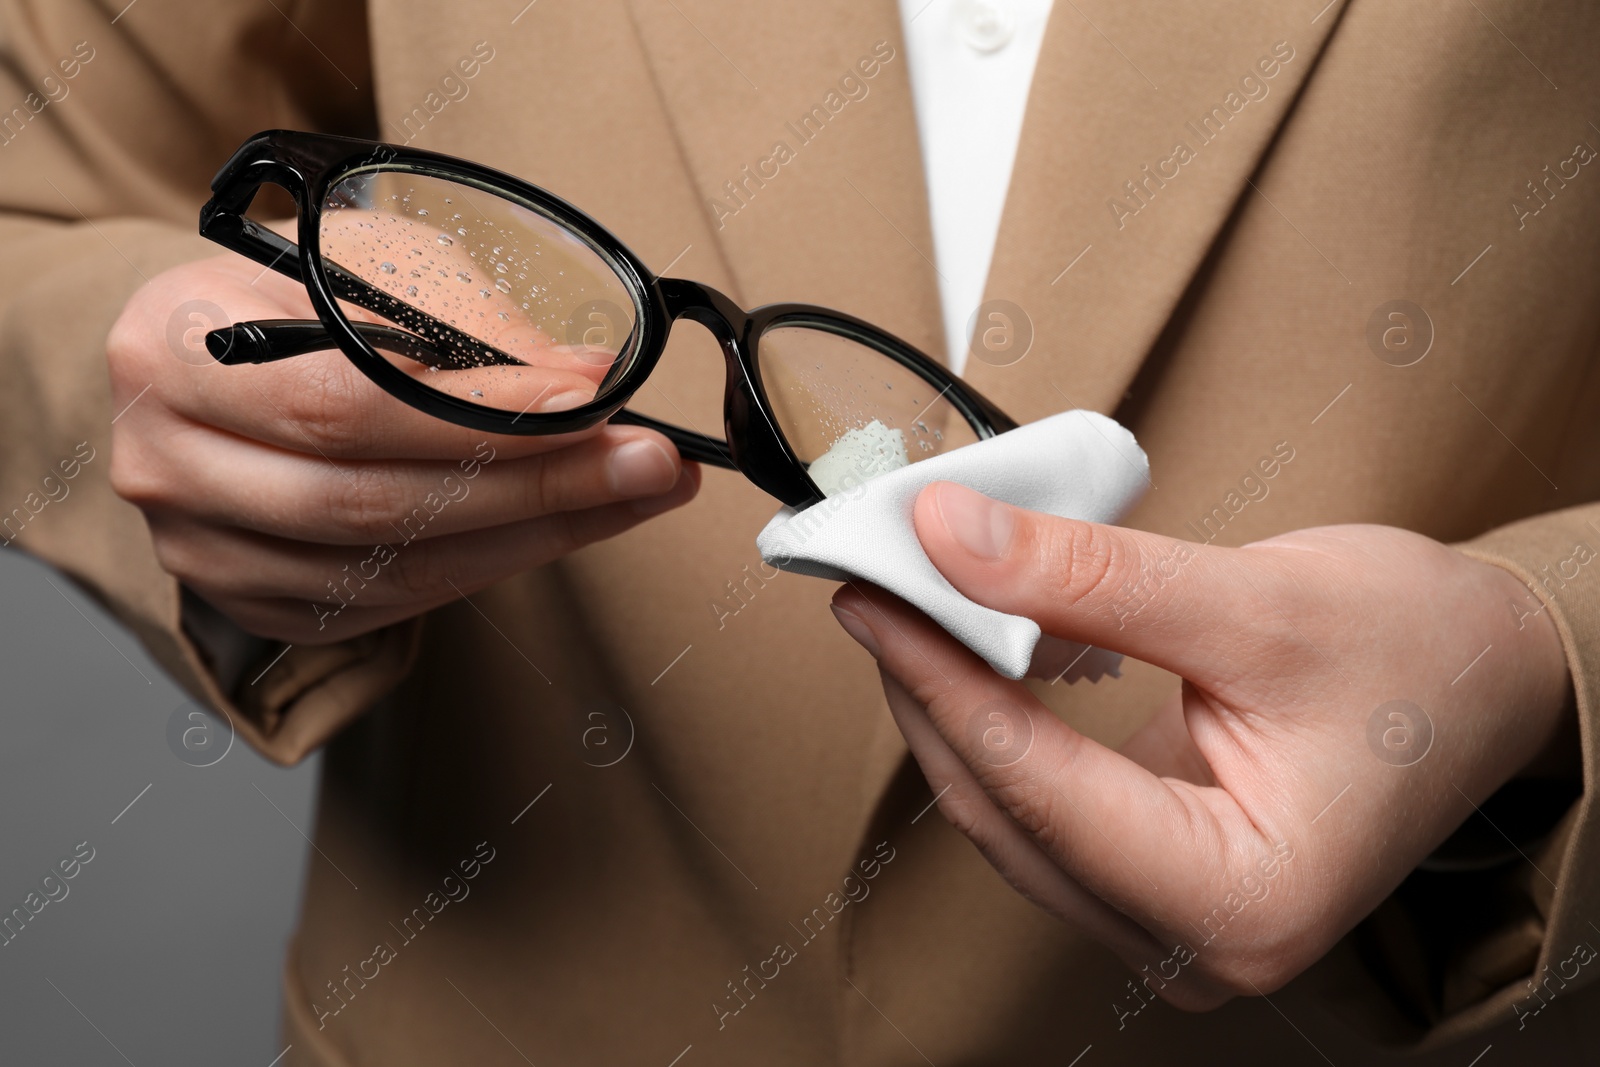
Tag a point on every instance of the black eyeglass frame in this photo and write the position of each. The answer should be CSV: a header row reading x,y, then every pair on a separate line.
x,y
309,165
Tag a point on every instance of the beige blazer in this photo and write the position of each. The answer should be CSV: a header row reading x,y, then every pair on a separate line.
x,y
1214,206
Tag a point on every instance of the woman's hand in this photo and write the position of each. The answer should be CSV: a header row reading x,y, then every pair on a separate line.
x,y
310,506
1279,796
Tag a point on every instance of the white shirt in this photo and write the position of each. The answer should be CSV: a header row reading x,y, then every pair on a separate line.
x,y
971,66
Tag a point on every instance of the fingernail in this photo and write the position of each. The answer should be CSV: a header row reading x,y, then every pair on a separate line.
x,y
573,398
640,468
978,524
856,627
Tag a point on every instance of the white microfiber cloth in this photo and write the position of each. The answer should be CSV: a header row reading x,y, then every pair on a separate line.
x,y
1076,464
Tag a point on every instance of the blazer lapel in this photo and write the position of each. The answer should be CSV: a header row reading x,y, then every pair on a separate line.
x,y
797,126
1141,135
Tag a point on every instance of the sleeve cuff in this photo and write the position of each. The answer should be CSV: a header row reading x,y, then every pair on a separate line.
x,y
1472,940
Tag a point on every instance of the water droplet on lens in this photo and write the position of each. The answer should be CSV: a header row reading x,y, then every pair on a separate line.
x,y
444,239
477,392
463,276
483,293
411,290
422,212
502,285
504,317
387,268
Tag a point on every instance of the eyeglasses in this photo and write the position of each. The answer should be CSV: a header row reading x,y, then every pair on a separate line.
x,y
483,300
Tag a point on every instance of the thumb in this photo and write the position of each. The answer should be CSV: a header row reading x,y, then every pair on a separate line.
x,y
1168,602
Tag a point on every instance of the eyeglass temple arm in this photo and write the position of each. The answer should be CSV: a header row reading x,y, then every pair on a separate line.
x,y
269,340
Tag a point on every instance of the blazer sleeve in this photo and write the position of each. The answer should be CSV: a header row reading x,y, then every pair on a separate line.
x,y
115,124
1465,945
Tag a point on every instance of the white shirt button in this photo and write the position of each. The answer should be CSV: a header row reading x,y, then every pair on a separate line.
x,y
988,25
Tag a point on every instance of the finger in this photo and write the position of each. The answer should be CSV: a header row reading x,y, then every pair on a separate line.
x,y
322,404
1007,847
1143,844
240,563
316,595
319,403
230,481
1168,602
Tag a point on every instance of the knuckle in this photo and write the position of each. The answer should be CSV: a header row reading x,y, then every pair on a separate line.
x,y
202,558
417,575
961,812
122,347
1030,802
931,693
178,557
365,501
1087,562
543,489
318,410
946,699
133,476
131,341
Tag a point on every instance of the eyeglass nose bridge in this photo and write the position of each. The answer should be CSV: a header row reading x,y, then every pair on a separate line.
x,y
717,312
724,319
756,444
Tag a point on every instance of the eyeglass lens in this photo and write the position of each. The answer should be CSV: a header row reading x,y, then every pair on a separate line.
x,y
850,411
493,269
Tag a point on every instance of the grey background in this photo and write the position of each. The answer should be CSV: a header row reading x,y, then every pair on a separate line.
x,y
169,941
